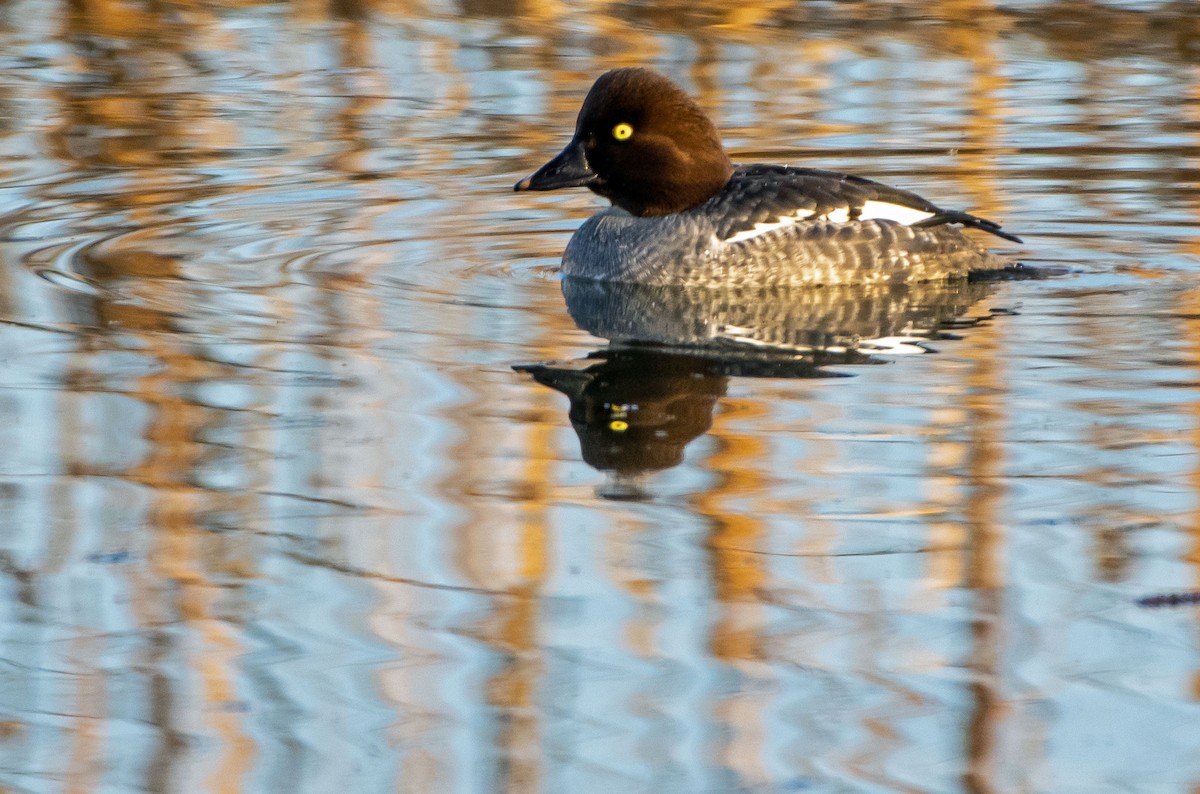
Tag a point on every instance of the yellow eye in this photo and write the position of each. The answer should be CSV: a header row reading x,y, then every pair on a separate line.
x,y
622,131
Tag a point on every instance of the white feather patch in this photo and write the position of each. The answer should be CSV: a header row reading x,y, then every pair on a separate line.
x,y
879,210
870,210
884,210
762,228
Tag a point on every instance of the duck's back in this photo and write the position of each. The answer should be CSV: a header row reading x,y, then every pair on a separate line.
x,y
779,226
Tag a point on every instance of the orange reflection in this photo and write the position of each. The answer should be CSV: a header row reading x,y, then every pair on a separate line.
x,y
1189,308
738,575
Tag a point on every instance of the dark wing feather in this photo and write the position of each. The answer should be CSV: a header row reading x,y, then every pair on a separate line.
x,y
764,193
967,219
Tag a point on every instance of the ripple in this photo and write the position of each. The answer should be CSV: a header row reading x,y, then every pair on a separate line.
x,y
73,282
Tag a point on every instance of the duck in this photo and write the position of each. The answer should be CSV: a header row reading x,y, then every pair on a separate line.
x,y
682,213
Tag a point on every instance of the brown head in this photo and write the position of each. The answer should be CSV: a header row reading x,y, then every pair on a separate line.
x,y
642,143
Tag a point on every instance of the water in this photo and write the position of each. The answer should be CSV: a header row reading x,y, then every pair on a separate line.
x,y
277,513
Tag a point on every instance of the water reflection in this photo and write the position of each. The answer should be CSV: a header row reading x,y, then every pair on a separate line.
x,y
801,320
636,404
634,410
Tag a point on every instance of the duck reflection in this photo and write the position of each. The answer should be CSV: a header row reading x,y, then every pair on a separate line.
x,y
639,401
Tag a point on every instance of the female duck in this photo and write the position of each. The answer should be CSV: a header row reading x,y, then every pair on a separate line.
x,y
684,214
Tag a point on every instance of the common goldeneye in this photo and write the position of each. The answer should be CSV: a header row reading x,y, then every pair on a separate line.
x,y
682,213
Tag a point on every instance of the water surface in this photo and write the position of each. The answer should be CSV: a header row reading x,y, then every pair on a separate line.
x,y
277,513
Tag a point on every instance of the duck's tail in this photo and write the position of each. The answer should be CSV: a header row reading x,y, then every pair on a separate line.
x,y
969,220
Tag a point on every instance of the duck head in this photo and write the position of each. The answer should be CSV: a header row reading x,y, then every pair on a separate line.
x,y
643,144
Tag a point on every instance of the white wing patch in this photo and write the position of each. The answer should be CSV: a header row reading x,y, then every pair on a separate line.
x,y
762,228
871,210
883,210
879,210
